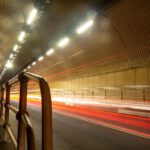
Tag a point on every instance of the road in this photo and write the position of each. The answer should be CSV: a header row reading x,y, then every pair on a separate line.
x,y
79,133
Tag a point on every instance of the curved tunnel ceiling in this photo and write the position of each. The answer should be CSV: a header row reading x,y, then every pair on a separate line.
x,y
118,40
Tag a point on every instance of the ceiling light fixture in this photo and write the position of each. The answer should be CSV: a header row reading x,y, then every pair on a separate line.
x,y
32,16
63,42
33,63
21,36
11,55
15,48
9,64
49,52
29,67
40,58
85,27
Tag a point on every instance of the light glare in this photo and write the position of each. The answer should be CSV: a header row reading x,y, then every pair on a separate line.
x,y
49,52
21,36
85,26
32,16
63,42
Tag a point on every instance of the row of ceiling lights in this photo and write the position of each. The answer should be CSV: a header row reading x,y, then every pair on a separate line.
x,y
64,41
21,37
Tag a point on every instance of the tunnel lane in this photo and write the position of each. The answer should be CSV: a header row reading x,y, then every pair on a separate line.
x,y
74,129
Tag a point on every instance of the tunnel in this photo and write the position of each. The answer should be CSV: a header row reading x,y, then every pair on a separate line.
x,y
75,75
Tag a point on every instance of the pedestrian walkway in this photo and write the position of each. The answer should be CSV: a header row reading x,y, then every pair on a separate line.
x,y
4,145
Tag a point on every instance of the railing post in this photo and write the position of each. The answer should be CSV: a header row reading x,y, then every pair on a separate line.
x,y
22,110
47,135
1,102
6,122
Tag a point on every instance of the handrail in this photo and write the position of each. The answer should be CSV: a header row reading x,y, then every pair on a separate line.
x,y
14,109
46,111
13,80
30,133
24,124
12,137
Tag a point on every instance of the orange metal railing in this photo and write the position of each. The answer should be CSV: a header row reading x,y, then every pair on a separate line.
x,y
24,124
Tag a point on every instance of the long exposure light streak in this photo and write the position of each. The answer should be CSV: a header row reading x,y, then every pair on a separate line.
x,y
105,124
136,125
128,123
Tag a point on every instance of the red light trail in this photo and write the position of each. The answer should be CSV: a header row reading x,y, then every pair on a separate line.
x,y
136,125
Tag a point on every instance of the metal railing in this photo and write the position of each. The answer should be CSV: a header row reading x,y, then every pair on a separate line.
x,y
24,124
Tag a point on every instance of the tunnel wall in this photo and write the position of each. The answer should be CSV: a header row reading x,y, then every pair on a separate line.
x,y
109,62
129,86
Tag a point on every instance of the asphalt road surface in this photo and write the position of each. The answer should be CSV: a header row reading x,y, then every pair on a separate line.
x,y
72,133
